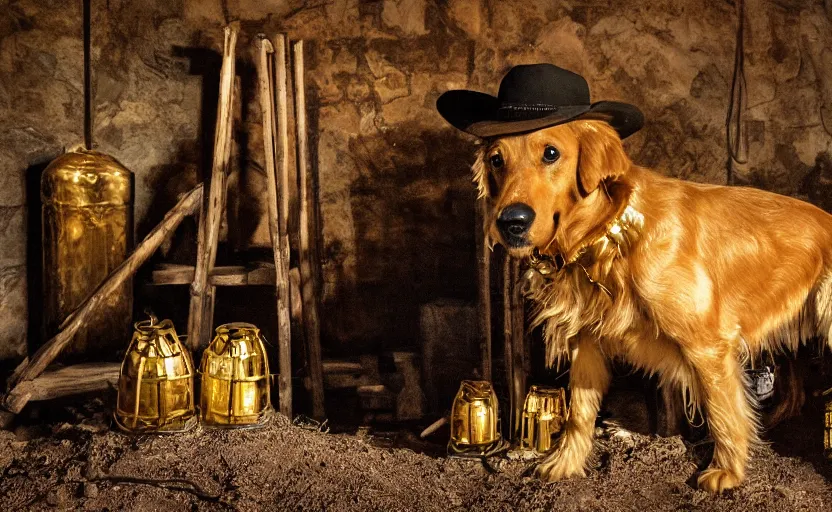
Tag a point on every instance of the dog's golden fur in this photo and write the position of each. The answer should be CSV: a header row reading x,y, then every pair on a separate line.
x,y
717,274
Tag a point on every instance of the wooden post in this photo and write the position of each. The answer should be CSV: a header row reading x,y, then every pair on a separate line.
x,y
202,292
264,73
508,340
518,345
514,332
14,402
310,299
484,281
280,137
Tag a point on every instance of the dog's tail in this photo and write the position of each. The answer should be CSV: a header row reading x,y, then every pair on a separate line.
x,y
789,392
823,308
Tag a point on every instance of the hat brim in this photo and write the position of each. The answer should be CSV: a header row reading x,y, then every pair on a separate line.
x,y
476,113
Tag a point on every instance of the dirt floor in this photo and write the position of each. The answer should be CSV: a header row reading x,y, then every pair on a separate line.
x,y
84,464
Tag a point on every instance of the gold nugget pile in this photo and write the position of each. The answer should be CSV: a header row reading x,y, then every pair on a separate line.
x,y
156,383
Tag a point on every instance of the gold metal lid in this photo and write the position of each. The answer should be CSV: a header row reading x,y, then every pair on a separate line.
x,y
470,390
540,397
236,353
86,178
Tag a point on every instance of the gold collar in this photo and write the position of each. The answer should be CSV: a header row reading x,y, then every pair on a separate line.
x,y
621,233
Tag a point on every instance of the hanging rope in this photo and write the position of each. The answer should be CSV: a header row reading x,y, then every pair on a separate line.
x,y
87,79
737,137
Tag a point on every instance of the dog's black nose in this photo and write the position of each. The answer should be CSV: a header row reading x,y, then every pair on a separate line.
x,y
514,222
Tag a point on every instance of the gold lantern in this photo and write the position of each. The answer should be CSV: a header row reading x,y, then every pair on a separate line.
x,y
544,414
827,423
475,419
235,378
156,384
87,219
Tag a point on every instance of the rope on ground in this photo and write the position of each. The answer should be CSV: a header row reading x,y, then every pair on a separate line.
x,y
736,134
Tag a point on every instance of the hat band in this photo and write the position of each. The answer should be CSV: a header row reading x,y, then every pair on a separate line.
x,y
514,111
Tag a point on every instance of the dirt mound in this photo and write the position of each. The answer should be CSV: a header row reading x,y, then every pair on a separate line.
x,y
88,466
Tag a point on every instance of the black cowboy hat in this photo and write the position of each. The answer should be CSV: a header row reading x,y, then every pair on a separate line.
x,y
532,97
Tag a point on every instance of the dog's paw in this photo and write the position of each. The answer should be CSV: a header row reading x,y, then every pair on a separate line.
x,y
716,480
559,465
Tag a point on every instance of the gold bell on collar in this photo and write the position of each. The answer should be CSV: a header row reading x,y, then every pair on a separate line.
x,y
544,414
475,419
235,378
156,383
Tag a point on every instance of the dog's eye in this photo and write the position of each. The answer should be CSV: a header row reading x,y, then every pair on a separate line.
x,y
550,154
496,160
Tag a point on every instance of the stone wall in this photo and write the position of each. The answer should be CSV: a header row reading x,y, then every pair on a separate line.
x,y
396,200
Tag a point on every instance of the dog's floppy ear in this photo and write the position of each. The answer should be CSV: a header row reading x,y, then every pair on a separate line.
x,y
481,172
601,155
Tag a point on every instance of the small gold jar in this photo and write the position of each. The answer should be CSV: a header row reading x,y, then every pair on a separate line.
x,y
156,384
544,414
235,378
474,419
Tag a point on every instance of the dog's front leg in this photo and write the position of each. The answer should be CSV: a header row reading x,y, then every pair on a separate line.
x,y
589,378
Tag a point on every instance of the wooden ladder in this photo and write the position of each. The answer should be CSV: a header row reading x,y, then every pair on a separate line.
x,y
205,277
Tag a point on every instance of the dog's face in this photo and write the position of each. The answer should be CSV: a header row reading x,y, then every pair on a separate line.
x,y
535,180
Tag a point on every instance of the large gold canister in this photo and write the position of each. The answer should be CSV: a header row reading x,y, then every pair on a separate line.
x,y
156,384
544,414
474,418
87,218
235,377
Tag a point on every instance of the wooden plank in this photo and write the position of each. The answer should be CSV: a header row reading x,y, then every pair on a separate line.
x,y
340,373
347,380
307,272
220,276
335,366
260,276
374,397
484,281
71,380
47,353
201,312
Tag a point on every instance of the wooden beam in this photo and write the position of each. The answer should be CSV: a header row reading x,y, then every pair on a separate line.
x,y
201,312
264,75
71,380
280,139
307,271
50,350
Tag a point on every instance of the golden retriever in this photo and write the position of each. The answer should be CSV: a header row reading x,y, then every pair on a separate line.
x,y
678,279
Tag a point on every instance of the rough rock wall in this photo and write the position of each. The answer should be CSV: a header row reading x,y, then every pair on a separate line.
x,y
396,202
